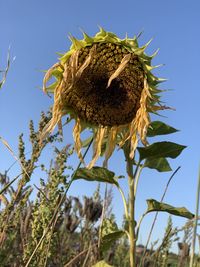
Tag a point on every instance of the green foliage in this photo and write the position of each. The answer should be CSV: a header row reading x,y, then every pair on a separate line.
x,y
98,174
159,164
110,238
161,256
102,264
23,221
160,150
15,217
154,205
159,128
110,233
48,198
121,253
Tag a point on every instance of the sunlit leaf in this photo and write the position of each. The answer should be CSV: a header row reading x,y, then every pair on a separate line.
x,y
108,226
159,128
159,164
108,240
8,184
87,141
109,233
102,264
98,174
160,150
154,205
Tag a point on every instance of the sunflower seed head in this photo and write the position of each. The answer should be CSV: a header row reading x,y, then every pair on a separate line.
x,y
105,83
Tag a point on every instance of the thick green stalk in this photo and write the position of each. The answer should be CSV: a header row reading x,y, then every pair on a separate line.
x,y
131,184
195,223
132,223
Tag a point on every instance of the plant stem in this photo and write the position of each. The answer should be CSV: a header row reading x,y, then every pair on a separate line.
x,y
137,176
195,223
132,222
124,202
139,223
131,184
103,215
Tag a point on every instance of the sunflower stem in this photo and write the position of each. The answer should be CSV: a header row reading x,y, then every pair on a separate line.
x,y
124,202
195,223
137,177
131,184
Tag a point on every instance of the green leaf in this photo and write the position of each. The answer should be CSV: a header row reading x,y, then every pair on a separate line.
x,y
108,226
160,150
98,174
87,141
160,128
102,264
9,184
108,240
154,205
159,164
109,233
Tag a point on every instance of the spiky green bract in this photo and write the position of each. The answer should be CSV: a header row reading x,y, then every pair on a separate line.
x,y
105,84
130,44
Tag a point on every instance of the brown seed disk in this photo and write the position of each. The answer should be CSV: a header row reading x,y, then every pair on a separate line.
x,y
93,101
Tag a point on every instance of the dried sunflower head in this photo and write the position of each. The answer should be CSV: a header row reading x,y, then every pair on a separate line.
x,y
104,83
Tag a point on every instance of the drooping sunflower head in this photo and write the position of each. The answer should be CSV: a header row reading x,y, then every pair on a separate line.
x,y
104,83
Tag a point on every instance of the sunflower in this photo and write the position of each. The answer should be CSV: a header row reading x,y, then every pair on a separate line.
x,y
104,84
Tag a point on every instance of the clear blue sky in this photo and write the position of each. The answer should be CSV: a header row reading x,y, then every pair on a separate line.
x,y
36,30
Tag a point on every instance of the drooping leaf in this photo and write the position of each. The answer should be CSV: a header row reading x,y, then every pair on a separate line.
x,y
8,184
87,141
154,205
159,164
110,238
109,233
98,174
120,177
159,128
160,150
102,264
108,226
103,147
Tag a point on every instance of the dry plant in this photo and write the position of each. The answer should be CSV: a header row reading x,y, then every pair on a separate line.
x,y
24,219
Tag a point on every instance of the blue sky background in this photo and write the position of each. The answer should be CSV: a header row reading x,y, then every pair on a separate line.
x,y
36,30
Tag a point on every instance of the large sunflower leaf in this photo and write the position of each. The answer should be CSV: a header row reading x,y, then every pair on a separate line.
x,y
108,226
110,238
87,141
160,150
109,233
159,164
154,205
98,174
159,128
102,264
